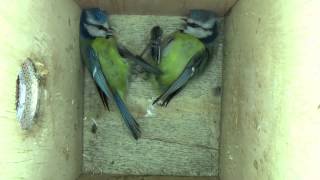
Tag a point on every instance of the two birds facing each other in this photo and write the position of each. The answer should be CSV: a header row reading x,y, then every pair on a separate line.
x,y
178,57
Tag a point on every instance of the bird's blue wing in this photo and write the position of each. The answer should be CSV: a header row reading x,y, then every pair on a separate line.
x,y
97,75
129,120
124,52
102,84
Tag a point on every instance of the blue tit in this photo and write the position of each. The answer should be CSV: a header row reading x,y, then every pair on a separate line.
x,y
185,53
108,62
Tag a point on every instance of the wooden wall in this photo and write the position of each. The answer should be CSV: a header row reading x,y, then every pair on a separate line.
x,y
46,32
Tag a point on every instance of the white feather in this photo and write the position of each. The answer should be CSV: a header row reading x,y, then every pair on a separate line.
x,y
94,71
207,24
94,31
197,32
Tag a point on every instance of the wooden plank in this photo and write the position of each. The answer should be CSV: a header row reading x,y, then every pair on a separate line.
x,y
106,177
181,139
51,149
158,7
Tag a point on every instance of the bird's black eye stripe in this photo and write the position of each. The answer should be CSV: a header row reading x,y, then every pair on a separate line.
x,y
194,25
100,27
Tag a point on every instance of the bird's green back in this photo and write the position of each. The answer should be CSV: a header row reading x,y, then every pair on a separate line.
x,y
114,67
176,55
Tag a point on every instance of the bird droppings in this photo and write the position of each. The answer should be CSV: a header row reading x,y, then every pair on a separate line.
x,y
150,112
66,152
45,94
27,95
229,156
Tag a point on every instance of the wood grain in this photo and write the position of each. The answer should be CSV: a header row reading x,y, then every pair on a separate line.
x,y
51,149
180,140
158,7
106,177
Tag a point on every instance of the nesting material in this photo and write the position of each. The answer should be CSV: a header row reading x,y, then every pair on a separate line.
x,y
180,139
27,95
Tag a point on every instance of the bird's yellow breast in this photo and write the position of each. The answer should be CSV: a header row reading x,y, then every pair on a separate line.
x,y
114,66
176,55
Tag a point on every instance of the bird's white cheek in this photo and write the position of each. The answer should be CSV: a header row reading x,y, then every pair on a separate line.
x,y
189,20
91,19
94,31
209,24
197,32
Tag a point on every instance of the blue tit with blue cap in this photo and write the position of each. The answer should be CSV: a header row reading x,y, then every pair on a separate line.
x,y
185,53
109,62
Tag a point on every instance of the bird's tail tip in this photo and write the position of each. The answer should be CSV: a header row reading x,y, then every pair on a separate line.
x,y
129,120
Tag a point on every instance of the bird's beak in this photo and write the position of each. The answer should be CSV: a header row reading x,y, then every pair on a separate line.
x,y
109,31
106,27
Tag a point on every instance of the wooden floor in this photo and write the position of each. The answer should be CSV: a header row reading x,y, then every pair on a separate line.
x,y
180,140
104,177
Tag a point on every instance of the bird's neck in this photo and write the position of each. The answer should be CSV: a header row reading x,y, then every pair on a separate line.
x,y
212,37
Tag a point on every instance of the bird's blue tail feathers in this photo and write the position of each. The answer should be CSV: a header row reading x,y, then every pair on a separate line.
x,y
130,122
